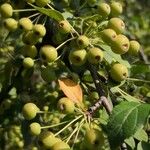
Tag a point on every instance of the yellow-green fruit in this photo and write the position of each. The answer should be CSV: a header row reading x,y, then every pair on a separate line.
x,y
25,24
48,139
6,10
94,139
134,47
29,111
39,30
83,41
116,24
95,55
64,26
30,51
108,35
41,3
119,72
121,44
61,146
66,105
28,62
116,9
78,57
103,9
48,53
35,128
10,24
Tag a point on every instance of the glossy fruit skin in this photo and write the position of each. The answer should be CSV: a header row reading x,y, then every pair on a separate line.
x,y
48,139
25,24
116,9
83,41
35,128
30,51
61,146
95,55
29,111
6,10
41,3
78,57
108,36
119,72
120,45
64,27
28,62
10,24
94,139
66,105
39,30
134,47
117,25
103,9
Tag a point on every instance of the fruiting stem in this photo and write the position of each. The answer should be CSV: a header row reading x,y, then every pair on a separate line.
x,y
138,80
34,15
68,125
50,6
23,10
43,112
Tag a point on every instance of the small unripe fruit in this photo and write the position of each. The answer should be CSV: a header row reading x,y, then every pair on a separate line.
x,y
48,53
116,9
95,55
61,146
83,41
78,57
11,24
35,128
41,3
39,30
134,47
108,35
30,51
28,62
66,105
116,24
120,45
29,111
6,10
119,72
64,26
25,24
103,9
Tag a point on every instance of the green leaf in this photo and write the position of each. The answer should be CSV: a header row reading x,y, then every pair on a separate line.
x,y
143,146
125,120
54,14
110,56
141,135
130,141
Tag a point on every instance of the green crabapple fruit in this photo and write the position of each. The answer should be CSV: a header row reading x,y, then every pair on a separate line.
x,y
6,10
121,44
134,47
29,111
30,51
117,25
10,24
41,3
103,9
66,105
95,55
116,8
108,35
25,24
83,41
48,53
28,62
78,57
64,26
118,72
35,128
60,146
39,30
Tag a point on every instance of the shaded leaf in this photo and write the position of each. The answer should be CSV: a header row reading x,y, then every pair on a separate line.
x,y
143,146
71,89
125,120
